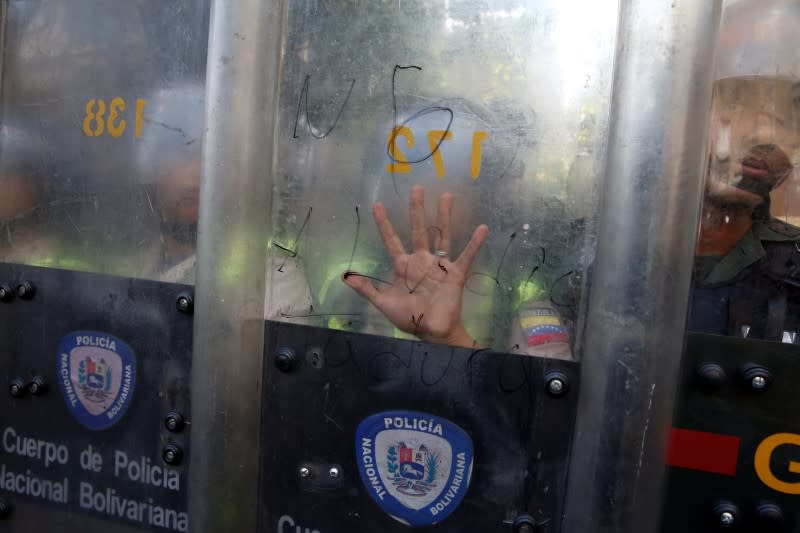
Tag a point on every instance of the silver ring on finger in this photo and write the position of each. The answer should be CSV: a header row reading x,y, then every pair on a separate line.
x,y
440,253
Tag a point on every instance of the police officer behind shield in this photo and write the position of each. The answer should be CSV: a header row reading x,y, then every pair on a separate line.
x,y
747,267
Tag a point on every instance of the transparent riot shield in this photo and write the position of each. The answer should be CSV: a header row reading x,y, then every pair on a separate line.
x,y
101,124
457,105
384,114
733,448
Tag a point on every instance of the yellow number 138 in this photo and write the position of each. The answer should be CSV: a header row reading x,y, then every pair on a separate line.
x,y
94,123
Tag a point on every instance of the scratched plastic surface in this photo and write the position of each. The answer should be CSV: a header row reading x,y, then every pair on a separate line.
x,y
102,106
745,273
502,103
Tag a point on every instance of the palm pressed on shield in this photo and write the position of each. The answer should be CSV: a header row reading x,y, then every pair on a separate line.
x,y
425,295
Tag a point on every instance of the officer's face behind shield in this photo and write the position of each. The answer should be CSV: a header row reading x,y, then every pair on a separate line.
x,y
754,140
20,191
169,156
19,202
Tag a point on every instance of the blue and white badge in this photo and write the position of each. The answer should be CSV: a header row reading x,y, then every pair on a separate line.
x,y
416,466
97,375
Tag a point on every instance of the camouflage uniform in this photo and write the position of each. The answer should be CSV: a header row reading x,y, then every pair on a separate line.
x,y
754,290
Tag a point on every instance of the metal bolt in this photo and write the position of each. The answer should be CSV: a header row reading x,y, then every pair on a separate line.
x,y
556,383
17,388
37,386
285,359
5,509
6,294
334,472
25,290
770,515
556,386
185,303
304,472
524,524
711,375
172,455
727,518
758,383
174,421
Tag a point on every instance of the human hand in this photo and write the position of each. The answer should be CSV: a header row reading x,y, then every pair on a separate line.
x,y
425,295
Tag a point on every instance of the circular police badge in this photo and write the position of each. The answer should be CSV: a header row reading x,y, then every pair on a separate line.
x,y
416,466
97,376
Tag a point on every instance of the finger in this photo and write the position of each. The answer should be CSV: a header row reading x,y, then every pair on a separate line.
x,y
362,286
466,258
443,220
419,233
393,243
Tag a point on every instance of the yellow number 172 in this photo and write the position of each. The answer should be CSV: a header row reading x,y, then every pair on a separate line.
x,y
401,165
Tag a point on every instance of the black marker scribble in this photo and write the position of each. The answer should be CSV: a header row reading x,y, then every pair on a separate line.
x,y
552,290
472,356
417,323
394,95
443,373
397,127
496,276
418,114
330,402
349,354
302,105
355,241
288,251
373,278
443,267
525,363
384,372
310,315
513,156
503,257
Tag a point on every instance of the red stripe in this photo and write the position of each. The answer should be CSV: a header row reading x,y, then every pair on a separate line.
x,y
546,338
703,451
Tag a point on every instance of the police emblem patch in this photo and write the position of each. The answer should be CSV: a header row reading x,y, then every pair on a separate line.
x,y
97,376
416,466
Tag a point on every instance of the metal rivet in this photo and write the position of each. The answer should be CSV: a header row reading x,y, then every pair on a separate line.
x,y
174,421
285,359
185,303
304,472
727,519
172,454
556,383
17,388
334,472
524,524
25,290
5,509
770,514
756,377
711,375
37,386
6,294
726,515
